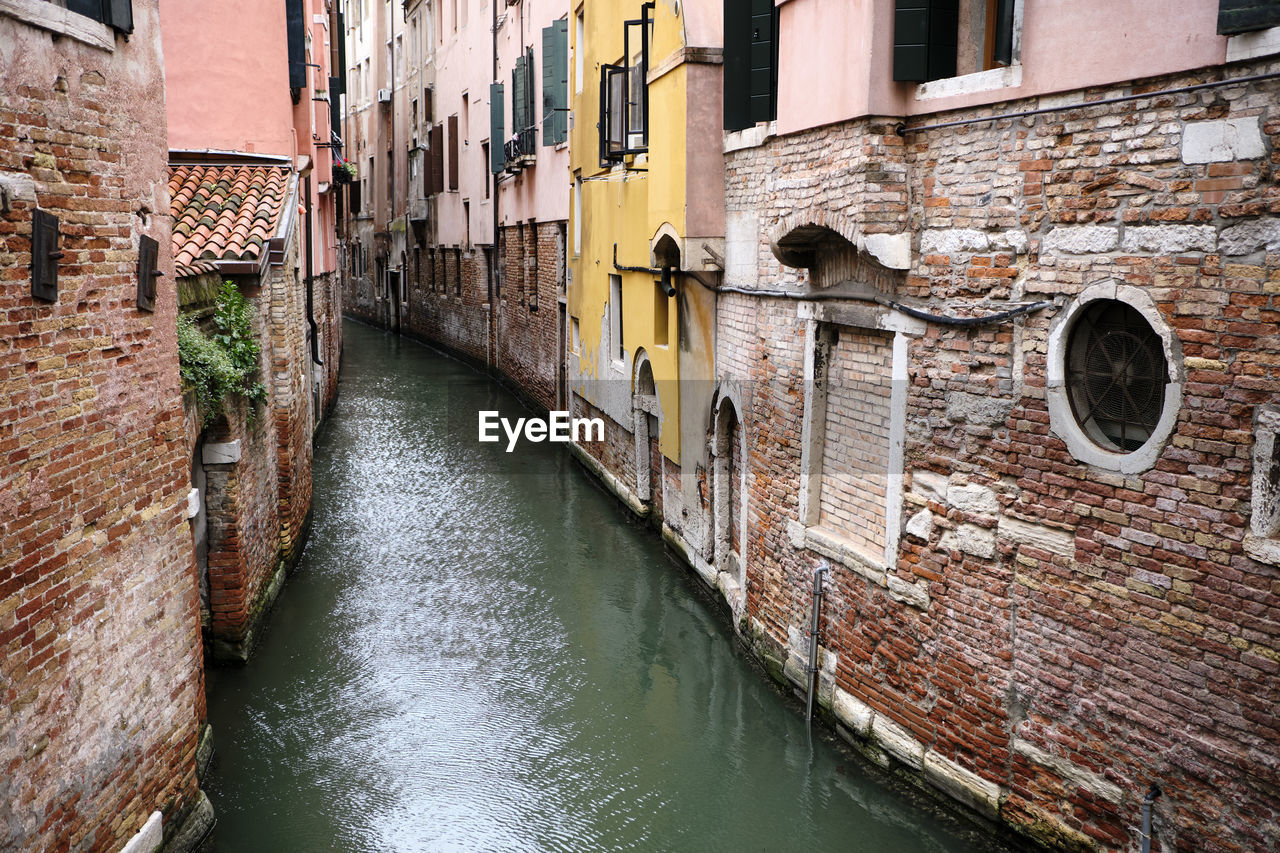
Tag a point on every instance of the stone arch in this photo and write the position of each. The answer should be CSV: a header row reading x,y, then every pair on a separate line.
x,y
830,245
728,485
647,423
666,248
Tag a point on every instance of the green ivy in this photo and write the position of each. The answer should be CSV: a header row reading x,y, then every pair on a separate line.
x,y
226,362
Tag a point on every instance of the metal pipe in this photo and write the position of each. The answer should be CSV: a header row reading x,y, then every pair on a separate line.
x,y
902,129
813,638
311,318
1148,801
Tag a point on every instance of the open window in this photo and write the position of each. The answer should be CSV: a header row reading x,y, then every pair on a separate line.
x,y
624,94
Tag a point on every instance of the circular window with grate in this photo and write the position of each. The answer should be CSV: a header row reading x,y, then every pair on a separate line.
x,y
1114,378
1116,375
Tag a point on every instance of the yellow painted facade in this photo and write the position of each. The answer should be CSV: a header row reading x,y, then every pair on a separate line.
x,y
629,204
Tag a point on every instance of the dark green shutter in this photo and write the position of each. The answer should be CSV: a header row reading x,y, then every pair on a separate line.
x,y
924,39
340,71
1242,16
562,80
120,15
519,121
530,107
549,85
335,105
453,152
496,134
764,46
737,66
297,40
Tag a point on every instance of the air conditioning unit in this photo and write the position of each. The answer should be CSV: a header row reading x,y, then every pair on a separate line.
x,y
384,96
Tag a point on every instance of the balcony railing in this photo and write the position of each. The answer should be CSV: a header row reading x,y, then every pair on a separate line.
x,y
522,150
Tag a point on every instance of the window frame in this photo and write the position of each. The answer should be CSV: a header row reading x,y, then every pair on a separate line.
x,y
609,154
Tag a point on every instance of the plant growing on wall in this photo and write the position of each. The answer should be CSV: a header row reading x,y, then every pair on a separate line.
x,y
225,362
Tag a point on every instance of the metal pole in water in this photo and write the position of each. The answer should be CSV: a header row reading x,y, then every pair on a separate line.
x,y
813,638
1152,795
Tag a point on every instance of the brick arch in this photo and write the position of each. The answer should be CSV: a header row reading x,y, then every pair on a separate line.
x,y
833,248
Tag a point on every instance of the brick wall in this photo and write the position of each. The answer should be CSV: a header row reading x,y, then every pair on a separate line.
x,y
1085,633
856,444
101,687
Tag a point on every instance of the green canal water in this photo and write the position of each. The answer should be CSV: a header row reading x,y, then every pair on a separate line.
x,y
481,652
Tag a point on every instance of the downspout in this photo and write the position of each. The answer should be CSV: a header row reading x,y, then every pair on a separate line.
x,y
491,333
813,638
311,320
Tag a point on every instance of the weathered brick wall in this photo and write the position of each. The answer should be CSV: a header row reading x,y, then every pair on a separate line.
x,y
328,316
243,507
528,328
617,453
857,438
448,299
101,687
290,375
1086,633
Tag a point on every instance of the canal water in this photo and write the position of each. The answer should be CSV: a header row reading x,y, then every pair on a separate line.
x,y
480,652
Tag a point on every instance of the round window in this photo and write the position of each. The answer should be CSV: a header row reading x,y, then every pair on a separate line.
x,y
1116,375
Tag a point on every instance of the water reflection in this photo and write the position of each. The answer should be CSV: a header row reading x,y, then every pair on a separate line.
x,y
484,656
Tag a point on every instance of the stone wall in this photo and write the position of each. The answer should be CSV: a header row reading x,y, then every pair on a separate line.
x,y
1052,636
101,686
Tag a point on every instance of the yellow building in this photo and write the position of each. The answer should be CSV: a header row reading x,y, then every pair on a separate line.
x,y
646,229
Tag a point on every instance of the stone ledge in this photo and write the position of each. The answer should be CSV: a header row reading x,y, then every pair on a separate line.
x,y
1069,772
611,482
148,839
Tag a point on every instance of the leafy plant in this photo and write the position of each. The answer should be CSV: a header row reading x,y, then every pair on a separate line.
x,y
226,362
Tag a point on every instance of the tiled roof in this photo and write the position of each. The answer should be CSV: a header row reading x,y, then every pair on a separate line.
x,y
224,213
194,268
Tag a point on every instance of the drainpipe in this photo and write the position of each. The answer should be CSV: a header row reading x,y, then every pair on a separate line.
x,y
491,328
1148,801
813,638
311,320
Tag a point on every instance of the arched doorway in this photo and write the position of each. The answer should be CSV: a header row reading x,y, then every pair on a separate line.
x,y
728,458
647,427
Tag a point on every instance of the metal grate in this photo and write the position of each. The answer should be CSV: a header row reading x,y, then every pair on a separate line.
x,y
1116,375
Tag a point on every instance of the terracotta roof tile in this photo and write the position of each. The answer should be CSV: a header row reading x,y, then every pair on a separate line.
x,y
224,212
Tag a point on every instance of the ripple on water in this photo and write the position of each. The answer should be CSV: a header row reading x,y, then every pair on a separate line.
x,y
475,657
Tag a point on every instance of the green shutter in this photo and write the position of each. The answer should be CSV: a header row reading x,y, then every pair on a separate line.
x,y
496,134
518,97
1242,16
562,80
924,39
763,50
737,65
555,83
549,85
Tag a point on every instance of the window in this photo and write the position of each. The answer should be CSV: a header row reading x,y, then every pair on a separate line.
x,y
618,351
575,337
579,51
484,152
936,39
1116,375
750,63
1113,378
399,58
453,153
391,181
1264,523
390,64
624,95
